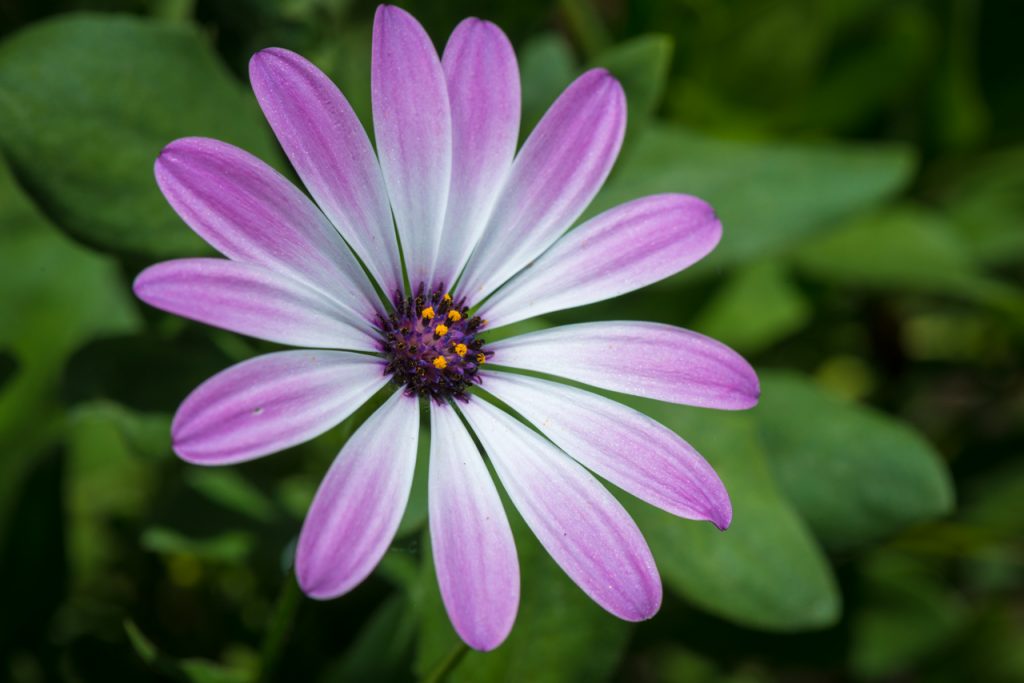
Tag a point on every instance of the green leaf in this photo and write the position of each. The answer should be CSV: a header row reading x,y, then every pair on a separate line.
x,y
907,615
346,59
109,484
191,669
757,307
765,571
229,547
641,65
769,195
56,296
547,65
382,649
905,248
86,104
110,368
233,491
8,367
854,474
560,634
986,202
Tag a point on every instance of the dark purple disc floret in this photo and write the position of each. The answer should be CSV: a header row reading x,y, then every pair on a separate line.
x,y
431,344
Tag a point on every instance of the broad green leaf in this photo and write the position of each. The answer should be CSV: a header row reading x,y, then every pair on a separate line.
x,y
586,25
191,669
230,547
559,634
547,65
232,490
765,571
991,525
641,65
86,104
110,368
382,649
770,195
8,366
346,59
758,306
906,248
866,81
855,475
674,664
56,296
906,616
110,483
997,500
986,204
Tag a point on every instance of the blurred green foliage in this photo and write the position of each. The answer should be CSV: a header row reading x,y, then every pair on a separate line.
x,y
867,160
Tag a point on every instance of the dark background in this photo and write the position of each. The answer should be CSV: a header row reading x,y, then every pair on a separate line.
x,y
865,157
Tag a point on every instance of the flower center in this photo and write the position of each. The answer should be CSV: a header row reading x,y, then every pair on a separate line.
x,y
431,345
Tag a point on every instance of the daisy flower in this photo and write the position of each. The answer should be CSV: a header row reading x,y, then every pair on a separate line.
x,y
463,234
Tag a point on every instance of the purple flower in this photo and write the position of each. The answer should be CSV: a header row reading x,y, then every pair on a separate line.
x,y
467,210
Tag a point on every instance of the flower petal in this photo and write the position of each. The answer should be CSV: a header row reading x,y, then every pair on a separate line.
x,y
251,300
624,446
623,249
332,154
474,553
586,531
483,88
250,213
644,359
413,125
560,168
360,502
272,402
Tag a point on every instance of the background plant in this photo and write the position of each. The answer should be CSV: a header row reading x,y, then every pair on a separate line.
x,y
865,157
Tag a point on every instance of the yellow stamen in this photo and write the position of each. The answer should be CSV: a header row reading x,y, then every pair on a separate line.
x,y
441,330
454,316
427,313
480,358
461,349
448,298
440,363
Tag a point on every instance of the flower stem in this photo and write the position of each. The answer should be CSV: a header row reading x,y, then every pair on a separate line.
x,y
279,627
446,665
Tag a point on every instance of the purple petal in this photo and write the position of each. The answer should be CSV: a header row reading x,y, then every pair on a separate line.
x,y
561,167
252,300
360,502
623,249
586,531
624,446
474,553
644,359
413,124
272,402
331,153
250,213
483,87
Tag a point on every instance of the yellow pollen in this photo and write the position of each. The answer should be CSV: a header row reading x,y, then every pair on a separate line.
x,y
441,330
454,316
460,350
427,313
480,358
440,363
448,298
